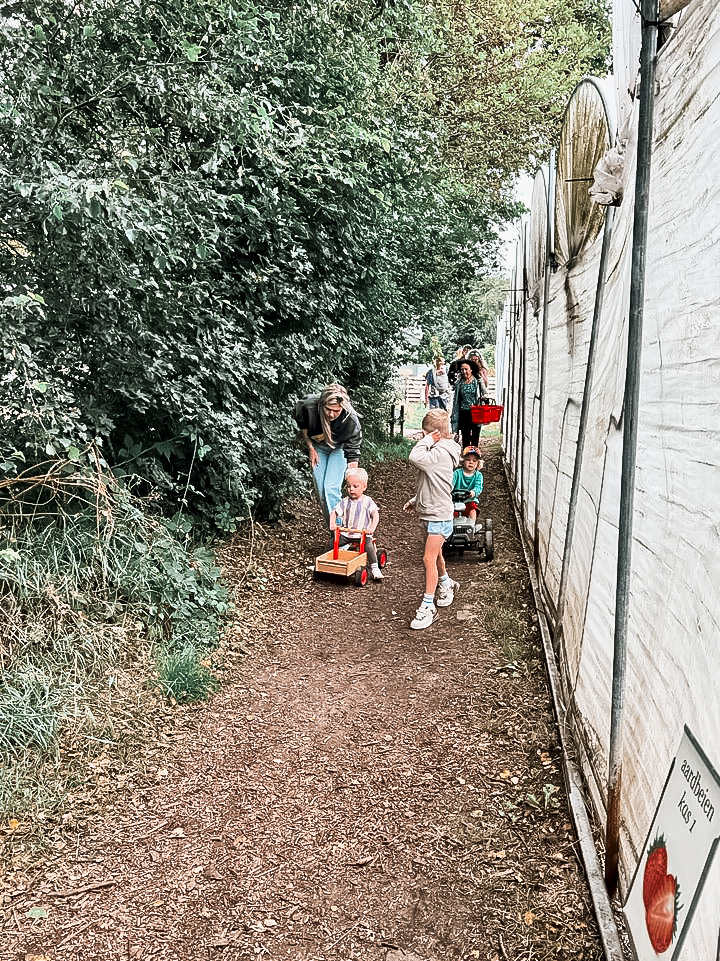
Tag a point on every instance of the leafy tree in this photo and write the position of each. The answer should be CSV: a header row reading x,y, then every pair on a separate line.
x,y
503,74
208,209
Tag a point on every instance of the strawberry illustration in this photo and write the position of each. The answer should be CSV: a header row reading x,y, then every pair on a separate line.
x,y
655,869
662,912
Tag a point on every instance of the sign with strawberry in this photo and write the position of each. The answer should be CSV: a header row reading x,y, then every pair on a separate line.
x,y
676,856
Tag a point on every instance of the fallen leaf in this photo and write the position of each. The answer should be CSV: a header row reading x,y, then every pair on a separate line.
x,y
528,917
36,913
13,824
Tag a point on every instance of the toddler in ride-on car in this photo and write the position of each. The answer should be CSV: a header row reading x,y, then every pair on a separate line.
x,y
468,482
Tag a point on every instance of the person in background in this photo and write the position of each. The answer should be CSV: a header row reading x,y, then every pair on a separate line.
x,y
437,385
435,455
454,368
483,367
468,481
359,512
468,392
330,426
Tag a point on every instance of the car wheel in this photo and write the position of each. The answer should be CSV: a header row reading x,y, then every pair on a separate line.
x,y
489,550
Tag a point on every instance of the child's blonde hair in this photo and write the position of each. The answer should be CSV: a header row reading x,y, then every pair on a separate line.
x,y
358,472
437,419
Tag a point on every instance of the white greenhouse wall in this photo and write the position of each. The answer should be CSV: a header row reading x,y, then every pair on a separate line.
x,y
673,643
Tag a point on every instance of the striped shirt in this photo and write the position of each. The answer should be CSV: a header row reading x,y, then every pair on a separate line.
x,y
356,513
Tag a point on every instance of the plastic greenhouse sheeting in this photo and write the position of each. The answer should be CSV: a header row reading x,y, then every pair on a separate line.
x,y
673,642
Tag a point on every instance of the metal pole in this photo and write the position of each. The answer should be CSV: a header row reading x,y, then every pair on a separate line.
x,y
582,429
549,243
507,378
511,397
648,51
522,406
518,383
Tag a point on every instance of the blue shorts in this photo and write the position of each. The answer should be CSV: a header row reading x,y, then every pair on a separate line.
x,y
440,527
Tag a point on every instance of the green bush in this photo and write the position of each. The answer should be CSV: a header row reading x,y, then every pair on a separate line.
x,y
183,677
257,214
87,591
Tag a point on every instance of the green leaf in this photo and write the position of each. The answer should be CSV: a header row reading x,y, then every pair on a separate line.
x,y
36,913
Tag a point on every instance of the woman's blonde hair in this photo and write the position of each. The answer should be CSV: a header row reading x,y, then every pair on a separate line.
x,y
332,394
437,419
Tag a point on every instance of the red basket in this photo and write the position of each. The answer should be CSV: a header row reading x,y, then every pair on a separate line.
x,y
486,413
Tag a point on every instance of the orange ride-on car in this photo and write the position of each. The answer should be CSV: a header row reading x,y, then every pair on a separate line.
x,y
351,560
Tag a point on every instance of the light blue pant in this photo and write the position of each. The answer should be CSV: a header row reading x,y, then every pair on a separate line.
x,y
328,477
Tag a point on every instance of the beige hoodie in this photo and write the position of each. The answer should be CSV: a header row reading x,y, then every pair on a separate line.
x,y
435,462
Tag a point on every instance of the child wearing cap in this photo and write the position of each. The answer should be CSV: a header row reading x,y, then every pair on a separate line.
x,y
468,480
359,512
435,455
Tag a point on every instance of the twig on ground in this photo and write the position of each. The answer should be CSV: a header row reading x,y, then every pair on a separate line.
x,y
71,892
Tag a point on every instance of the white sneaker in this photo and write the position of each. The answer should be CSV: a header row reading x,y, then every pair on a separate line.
x,y
377,574
424,616
446,595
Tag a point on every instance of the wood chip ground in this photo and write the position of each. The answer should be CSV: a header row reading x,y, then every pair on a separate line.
x,y
355,790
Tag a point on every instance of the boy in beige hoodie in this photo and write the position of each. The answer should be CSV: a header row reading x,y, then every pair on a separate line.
x,y
436,455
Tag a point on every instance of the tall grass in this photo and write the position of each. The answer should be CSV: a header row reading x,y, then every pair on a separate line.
x,y
99,601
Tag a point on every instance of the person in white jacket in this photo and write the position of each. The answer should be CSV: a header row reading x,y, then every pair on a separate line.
x,y
436,455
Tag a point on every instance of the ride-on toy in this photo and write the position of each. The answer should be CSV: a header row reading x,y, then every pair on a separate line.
x,y
466,536
349,560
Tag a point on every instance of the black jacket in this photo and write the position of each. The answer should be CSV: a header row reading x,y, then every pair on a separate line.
x,y
345,429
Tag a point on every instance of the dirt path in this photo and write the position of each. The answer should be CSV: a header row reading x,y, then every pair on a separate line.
x,y
356,790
